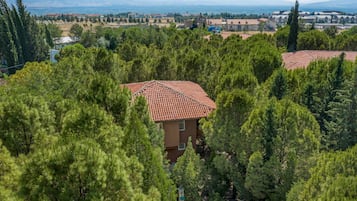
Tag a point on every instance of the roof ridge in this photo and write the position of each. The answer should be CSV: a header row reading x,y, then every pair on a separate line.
x,y
189,97
145,85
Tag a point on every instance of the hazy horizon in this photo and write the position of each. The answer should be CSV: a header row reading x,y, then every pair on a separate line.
x,y
96,3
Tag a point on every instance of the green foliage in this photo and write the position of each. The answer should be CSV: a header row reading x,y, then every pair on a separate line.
x,y
333,178
331,31
49,39
282,37
136,143
256,179
279,87
264,60
89,139
224,137
25,121
279,138
294,29
22,39
9,175
80,170
313,40
54,30
187,173
76,31
341,124
87,39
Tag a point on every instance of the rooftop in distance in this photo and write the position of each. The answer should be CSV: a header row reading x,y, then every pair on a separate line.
x,y
301,59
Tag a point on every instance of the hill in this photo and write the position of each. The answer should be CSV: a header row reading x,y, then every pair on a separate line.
x,y
335,4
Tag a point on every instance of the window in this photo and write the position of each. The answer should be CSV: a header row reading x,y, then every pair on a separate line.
x,y
182,126
182,146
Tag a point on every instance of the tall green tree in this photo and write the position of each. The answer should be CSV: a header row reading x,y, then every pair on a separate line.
x,y
313,40
279,86
49,39
25,121
224,138
76,31
9,175
280,138
136,143
187,173
333,178
341,129
336,85
294,29
264,58
21,35
80,170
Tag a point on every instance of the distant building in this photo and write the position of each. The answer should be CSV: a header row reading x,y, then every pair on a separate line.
x,y
64,41
328,17
238,24
301,59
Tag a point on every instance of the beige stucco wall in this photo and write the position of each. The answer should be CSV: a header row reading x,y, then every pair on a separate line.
x,y
172,137
191,130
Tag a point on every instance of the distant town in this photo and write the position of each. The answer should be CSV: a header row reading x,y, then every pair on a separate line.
x,y
213,22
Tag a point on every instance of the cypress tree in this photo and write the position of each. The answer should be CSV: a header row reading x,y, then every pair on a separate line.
x,y
21,38
270,132
290,19
336,107
9,49
48,37
294,29
19,31
24,26
279,86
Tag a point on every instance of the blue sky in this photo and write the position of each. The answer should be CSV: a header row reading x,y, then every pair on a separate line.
x,y
57,3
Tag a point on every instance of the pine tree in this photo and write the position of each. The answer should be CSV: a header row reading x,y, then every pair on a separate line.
x,y
341,128
187,173
294,29
279,86
334,104
137,144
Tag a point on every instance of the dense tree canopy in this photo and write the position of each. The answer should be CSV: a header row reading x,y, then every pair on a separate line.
x,y
21,38
68,130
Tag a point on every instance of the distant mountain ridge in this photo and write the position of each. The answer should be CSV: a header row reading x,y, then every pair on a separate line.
x,y
349,6
335,4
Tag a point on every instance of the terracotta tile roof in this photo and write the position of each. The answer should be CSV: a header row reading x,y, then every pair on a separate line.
x,y
301,59
173,100
243,21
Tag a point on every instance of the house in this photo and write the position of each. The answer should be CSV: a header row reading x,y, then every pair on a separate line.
x,y
176,107
243,24
238,24
301,59
64,41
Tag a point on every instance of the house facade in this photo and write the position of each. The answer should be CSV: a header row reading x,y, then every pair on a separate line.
x,y
239,24
176,107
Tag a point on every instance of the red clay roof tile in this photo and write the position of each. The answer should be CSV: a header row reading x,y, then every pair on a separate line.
x,y
301,59
173,100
